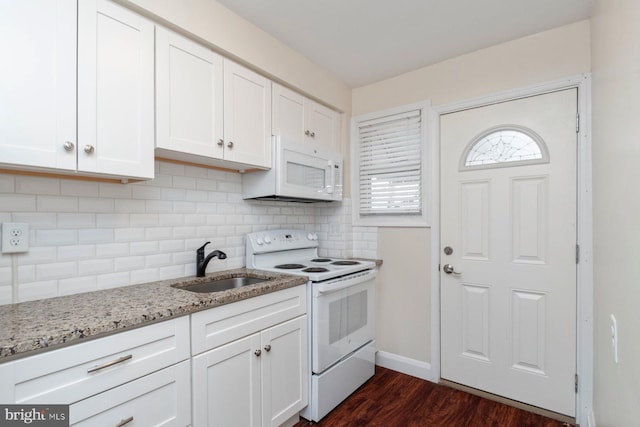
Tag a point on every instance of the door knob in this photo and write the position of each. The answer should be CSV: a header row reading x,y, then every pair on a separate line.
x,y
89,149
449,269
68,146
267,348
221,142
230,144
258,352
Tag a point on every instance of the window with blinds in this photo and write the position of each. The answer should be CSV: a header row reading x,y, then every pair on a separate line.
x,y
391,164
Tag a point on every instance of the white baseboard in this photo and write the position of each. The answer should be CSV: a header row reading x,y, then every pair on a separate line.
x,y
406,365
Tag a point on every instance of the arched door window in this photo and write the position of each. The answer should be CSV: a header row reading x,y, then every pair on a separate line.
x,y
504,146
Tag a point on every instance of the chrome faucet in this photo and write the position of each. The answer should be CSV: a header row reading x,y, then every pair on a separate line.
x,y
201,261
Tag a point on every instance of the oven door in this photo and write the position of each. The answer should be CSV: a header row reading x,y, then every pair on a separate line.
x,y
342,319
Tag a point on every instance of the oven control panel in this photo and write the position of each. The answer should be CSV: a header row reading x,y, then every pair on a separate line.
x,y
276,240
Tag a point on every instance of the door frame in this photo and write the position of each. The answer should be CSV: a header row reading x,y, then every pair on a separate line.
x,y
584,269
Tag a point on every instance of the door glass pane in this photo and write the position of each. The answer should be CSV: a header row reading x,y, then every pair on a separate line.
x,y
505,145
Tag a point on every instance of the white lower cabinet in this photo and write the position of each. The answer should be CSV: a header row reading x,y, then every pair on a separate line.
x,y
159,399
259,380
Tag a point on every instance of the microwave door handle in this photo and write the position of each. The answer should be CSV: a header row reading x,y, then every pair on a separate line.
x,y
332,177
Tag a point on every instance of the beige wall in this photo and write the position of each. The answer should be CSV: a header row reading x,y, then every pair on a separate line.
x,y
616,154
404,305
402,292
542,57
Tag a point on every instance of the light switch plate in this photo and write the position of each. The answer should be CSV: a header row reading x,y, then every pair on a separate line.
x,y
15,237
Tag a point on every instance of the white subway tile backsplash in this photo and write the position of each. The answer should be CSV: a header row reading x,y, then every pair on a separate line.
x,y
115,191
128,263
53,237
76,220
186,182
96,235
7,183
5,276
37,185
70,187
38,290
150,230
112,250
95,266
129,205
76,252
133,234
77,284
113,280
144,247
56,270
18,202
95,205
57,203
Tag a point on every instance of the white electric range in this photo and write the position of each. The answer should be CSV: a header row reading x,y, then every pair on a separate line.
x,y
340,298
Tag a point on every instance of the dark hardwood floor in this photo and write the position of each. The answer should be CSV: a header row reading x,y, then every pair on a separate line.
x,y
392,399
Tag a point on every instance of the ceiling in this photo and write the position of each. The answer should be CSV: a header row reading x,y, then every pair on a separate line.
x,y
364,41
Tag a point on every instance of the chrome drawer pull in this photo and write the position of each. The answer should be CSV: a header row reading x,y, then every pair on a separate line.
x,y
113,362
123,422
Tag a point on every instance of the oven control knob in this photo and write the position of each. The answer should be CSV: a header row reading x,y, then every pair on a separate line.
x,y
310,236
267,239
259,241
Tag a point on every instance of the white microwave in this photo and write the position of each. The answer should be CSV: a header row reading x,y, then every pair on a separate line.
x,y
299,173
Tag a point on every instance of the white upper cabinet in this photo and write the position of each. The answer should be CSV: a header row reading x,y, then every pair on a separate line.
x,y
299,118
247,116
209,110
38,83
115,90
107,53
188,97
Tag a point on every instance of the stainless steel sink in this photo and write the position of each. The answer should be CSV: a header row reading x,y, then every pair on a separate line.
x,y
218,285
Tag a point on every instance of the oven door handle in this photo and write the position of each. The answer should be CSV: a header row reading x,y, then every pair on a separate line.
x,y
346,282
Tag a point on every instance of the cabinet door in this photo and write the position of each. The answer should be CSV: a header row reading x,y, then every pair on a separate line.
x,y
188,96
38,83
288,113
159,399
247,116
285,373
322,123
226,385
115,90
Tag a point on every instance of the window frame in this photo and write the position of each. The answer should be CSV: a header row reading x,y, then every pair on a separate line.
x,y
428,127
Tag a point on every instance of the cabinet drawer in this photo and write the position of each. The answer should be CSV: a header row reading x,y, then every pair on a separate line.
x,y
158,399
220,325
73,373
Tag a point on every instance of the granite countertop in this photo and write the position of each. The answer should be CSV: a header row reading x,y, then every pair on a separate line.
x,y
34,326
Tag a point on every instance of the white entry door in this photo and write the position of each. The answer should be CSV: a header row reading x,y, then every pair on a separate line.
x,y
508,249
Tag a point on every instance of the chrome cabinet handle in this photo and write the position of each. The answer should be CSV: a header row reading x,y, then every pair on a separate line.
x,y
449,269
313,134
68,146
307,132
113,362
230,144
89,149
124,421
267,348
258,352
221,142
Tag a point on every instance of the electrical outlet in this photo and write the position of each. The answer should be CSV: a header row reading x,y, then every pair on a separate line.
x,y
614,337
15,237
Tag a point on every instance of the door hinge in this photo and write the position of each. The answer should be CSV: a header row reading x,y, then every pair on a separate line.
x,y
577,122
577,254
576,382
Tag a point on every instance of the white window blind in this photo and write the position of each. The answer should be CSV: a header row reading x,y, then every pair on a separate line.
x,y
390,167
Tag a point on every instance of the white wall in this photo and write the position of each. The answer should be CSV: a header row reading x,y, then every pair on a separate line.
x,y
536,59
87,235
616,155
